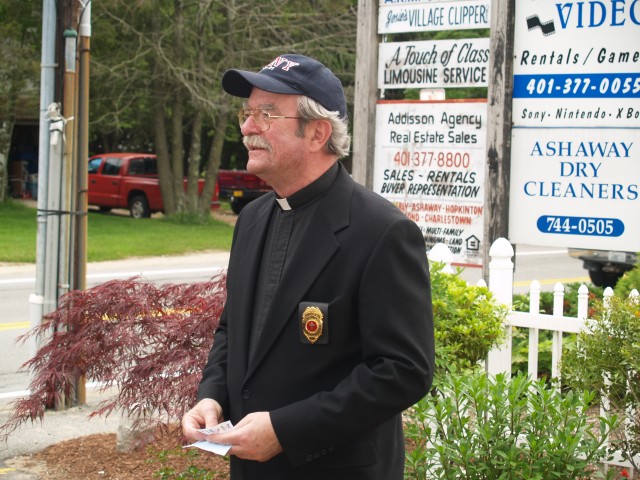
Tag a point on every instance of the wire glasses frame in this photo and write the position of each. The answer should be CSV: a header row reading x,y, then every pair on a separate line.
x,y
261,117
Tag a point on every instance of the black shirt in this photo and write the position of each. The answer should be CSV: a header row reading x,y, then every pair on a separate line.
x,y
289,220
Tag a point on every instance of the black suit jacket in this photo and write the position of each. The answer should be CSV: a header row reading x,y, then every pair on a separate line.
x,y
335,406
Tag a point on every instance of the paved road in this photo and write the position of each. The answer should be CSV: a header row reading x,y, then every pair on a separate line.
x,y
17,282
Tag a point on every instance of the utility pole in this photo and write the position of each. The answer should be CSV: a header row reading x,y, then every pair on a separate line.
x,y
63,153
47,85
81,193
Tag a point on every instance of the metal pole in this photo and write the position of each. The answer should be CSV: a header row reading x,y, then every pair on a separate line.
x,y
47,83
82,182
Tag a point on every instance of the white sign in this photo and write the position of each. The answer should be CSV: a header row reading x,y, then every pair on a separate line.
x,y
576,188
430,162
577,64
576,111
433,16
434,64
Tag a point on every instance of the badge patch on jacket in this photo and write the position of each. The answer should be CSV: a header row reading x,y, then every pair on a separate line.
x,y
313,323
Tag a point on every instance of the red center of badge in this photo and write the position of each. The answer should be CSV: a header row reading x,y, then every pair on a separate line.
x,y
312,324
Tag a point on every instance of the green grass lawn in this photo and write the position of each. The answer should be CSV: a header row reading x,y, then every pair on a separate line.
x,y
112,237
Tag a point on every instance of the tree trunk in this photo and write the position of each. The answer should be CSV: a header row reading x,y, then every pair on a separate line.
x,y
160,129
6,129
177,151
194,162
213,159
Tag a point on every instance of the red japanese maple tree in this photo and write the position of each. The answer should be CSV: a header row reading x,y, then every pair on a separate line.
x,y
150,341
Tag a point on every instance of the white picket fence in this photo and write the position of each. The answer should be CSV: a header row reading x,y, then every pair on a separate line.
x,y
501,285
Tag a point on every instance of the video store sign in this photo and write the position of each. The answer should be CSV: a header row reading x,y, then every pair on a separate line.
x,y
430,162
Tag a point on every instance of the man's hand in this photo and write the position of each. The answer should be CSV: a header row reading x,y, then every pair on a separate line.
x,y
206,413
253,438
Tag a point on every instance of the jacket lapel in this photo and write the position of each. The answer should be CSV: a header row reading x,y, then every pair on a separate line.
x,y
317,246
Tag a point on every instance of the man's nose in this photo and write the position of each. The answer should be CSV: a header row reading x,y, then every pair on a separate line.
x,y
249,127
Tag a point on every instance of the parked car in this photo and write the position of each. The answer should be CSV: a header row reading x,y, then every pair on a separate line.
x,y
605,267
128,180
240,187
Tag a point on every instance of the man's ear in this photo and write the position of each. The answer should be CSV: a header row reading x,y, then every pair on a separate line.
x,y
320,134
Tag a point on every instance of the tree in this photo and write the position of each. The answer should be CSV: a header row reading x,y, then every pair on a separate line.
x,y
157,67
150,341
19,47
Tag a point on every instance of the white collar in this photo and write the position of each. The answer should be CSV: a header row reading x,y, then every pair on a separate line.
x,y
284,205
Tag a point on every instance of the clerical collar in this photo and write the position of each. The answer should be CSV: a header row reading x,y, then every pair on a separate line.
x,y
311,192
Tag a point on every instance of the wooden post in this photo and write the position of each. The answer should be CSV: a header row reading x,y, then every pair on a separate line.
x,y
364,105
500,93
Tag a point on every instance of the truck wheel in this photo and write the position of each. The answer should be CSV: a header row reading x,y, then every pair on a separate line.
x,y
237,205
600,278
139,207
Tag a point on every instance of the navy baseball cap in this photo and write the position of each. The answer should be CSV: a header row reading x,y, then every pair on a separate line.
x,y
291,74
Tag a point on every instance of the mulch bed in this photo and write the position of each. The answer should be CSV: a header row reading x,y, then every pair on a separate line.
x,y
96,456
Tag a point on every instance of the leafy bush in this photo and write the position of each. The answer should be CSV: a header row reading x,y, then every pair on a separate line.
x,y
515,428
607,360
150,341
628,282
468,321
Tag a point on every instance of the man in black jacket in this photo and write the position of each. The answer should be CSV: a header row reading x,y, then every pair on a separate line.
x,y
327,332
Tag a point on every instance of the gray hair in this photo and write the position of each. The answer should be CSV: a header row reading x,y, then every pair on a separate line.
x,y
340,140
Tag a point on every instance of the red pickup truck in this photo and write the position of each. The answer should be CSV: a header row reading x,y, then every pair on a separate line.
x,y
240,187
128,180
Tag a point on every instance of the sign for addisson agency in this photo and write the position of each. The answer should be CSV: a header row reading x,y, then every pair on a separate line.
x,y
434,64
433,16
430,162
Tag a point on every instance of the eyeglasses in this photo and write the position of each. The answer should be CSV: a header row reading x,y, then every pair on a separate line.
x,y
261,117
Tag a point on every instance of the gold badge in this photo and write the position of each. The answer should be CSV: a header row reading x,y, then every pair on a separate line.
x,y
312,323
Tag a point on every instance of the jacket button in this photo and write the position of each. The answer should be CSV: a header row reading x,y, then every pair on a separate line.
x,y
309,458
245,394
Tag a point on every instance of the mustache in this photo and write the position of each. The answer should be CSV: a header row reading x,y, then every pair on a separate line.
x,y
256,142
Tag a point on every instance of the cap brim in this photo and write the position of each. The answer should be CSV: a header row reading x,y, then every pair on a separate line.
x,y
239,83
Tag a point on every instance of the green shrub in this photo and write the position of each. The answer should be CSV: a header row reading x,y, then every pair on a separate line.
x,y
468,321
606,360
629,281
504,428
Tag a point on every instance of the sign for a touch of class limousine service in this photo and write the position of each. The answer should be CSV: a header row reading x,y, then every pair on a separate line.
x,y
575,154
430,162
